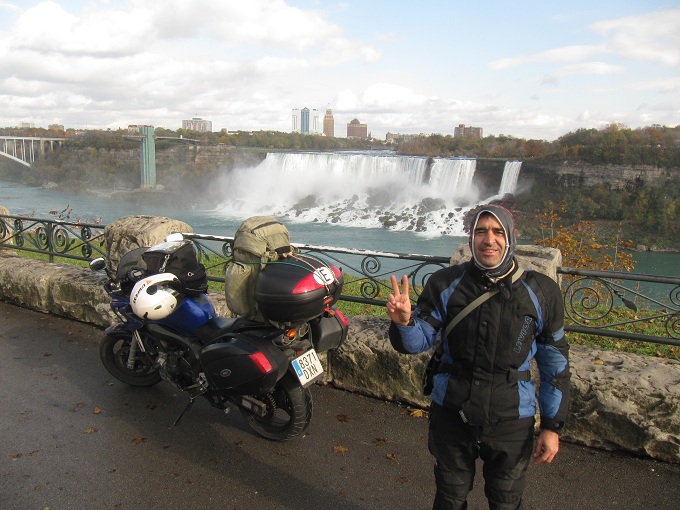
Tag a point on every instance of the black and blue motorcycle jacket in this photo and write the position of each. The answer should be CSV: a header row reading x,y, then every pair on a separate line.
x,y
485,363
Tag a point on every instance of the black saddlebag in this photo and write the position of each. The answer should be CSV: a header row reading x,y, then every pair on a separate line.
x,y
329,330
242,364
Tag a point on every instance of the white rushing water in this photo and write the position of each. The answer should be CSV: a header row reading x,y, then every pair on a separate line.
x,y
426,195
510,176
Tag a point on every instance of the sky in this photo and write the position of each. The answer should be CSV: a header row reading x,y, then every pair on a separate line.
x,y
527,69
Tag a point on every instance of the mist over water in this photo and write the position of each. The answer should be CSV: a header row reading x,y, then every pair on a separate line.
x,y
425,195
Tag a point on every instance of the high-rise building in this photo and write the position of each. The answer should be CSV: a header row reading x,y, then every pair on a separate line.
x,y
467,132
329,123
314,126
296,120
197,124
306,121
356,129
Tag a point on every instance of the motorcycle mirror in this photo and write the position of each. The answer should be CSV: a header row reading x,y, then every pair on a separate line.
x,y
174,237
97,264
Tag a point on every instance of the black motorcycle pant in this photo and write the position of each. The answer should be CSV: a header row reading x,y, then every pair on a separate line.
x,y
505,450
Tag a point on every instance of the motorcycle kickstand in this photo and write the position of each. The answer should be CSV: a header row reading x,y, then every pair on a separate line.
x,y
191,402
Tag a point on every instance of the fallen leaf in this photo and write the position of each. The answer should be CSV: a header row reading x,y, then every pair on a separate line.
x,y
90,430
139,440
417,413
598,361
96,410
380,441
340,449
392,456
47,354
401,480
342,418
14,455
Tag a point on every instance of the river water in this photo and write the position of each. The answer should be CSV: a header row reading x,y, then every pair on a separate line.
x,y
43,203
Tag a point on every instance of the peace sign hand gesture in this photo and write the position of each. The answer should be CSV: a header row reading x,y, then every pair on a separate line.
x,y
398,303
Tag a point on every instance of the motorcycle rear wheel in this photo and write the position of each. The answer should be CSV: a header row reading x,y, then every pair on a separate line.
x,y
114,351
289,411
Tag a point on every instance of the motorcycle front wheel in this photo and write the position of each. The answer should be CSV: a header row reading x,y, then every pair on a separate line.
x,y
289,411
114,353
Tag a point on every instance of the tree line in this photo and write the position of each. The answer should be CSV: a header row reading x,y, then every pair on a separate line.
x,y
614,144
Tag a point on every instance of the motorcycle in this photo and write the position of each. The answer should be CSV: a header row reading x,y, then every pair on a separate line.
x,y
264,369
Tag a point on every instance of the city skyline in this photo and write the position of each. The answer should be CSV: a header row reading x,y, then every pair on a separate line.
x,y
530,70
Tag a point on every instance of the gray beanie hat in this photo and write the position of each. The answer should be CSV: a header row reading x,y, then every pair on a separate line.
x,y
504,217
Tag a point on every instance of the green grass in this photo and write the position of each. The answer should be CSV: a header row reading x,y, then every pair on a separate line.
x,y
651,327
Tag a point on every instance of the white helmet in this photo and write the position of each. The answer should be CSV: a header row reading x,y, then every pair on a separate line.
x,y
155,297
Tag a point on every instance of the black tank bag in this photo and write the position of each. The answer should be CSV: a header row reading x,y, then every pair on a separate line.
x,y
178,258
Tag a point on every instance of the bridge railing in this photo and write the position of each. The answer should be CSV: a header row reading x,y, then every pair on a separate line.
x,y
601,303
25,149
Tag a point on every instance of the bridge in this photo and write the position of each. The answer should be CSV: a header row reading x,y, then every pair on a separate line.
x,y
147,153
26,149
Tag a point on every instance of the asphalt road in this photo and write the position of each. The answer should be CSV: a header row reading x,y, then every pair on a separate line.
x,y
72,437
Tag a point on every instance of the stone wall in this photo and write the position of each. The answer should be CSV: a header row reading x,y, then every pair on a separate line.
x,y
575,175
619,401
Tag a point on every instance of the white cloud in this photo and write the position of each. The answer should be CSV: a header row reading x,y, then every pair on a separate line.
x,y
653,37
589,68
48,28
9,6
386,96
661,86
565,54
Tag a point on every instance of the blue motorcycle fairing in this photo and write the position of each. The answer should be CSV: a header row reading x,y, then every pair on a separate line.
x,y
193,313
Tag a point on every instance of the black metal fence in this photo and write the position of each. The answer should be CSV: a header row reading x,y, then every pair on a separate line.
x,y
602,303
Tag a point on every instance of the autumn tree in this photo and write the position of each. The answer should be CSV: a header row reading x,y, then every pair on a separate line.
x,y
579,242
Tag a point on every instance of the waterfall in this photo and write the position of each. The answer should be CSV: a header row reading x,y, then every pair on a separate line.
x,y
373,190
453,176
509,180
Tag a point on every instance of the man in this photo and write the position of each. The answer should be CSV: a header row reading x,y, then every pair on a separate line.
x,y
483,399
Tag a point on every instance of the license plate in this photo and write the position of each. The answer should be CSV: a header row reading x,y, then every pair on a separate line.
x,y
307,367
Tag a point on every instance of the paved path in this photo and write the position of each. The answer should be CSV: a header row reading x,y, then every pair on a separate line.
x,y
71,437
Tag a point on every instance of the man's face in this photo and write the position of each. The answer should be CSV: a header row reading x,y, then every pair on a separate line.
x,y
489,241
